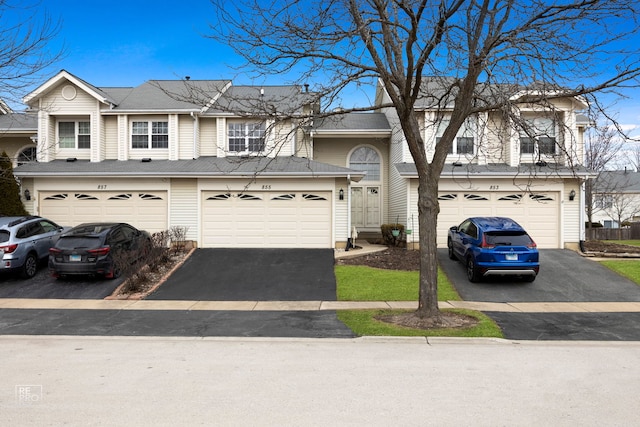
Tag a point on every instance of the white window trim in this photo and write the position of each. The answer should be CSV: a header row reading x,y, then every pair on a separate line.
x,y
247,139
76,131
149,135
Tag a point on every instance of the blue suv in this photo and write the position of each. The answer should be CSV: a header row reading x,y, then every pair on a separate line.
x,y
493,246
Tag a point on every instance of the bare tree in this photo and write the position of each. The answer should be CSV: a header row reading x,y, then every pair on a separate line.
x,y
621,207
24,46
602,146
480,54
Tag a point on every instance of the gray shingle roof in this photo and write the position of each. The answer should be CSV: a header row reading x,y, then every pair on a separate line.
x,y
263,100
353,122
618,182
19,122
470,170
170,95
294,167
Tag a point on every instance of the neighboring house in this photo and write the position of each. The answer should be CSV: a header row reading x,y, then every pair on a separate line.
x,y
243,166
616,198
18,133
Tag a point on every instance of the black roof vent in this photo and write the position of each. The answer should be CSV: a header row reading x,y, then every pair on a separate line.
x,y
457,163
71,159
146,160
541,163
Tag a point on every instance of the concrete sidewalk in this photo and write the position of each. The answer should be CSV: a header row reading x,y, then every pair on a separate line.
x,y
513,307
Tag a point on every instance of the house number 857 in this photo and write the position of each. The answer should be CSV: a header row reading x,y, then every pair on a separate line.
x,y
102,187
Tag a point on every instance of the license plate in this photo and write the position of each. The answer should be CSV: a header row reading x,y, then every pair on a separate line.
x,y
511,257
75,258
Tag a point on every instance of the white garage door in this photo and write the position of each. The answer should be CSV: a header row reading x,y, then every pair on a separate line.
x,y
266,220
147,211
539,214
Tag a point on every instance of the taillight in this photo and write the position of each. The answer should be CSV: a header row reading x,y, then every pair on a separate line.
x,y
532,245
54,251
484,243
100,251
9,248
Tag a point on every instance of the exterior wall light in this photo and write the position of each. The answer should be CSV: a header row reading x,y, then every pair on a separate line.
x,y
572,195
27,194
341,194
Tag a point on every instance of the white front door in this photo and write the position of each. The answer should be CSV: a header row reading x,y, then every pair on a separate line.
x,y
365,206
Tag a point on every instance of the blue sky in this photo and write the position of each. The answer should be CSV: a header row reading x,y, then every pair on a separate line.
x,y
124,43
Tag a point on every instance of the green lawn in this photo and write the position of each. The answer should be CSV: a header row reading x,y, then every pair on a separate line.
x,y
362,322
625,242
627,268
360,283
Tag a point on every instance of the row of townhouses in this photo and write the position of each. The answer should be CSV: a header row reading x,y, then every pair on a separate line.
x,y
191,153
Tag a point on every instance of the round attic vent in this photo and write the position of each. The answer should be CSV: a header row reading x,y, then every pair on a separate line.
x,y
69,92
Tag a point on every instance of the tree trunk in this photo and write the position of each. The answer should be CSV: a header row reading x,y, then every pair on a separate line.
x,y
428,209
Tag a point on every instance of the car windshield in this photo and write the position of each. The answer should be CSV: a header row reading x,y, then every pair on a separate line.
x,y
4,236
78,242
509,238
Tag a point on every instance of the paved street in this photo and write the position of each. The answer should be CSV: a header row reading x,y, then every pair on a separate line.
x,y
50,381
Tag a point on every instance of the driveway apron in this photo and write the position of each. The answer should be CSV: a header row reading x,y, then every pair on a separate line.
x,y
253,275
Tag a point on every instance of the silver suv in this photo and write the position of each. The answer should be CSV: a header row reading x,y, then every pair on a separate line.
x,y
24,241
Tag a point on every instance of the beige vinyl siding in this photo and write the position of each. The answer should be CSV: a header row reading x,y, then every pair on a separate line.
x,y
186,125
83,103
571,223
303,145
110,137
208,137
184,206
398,186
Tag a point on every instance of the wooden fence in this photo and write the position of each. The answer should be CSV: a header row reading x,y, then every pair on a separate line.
x,y
625,233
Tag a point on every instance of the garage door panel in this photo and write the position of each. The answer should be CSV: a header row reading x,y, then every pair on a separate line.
x,y
147,211
267,219
537,213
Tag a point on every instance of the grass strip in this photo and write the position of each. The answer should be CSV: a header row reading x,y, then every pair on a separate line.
x,y
363,323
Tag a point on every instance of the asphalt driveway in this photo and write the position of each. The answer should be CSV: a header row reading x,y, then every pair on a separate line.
x,y
43,286
253,275
565,276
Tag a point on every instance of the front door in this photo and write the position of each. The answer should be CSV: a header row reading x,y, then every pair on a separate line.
x,y
365,207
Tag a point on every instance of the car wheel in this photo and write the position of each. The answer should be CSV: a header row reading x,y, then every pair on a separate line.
x,y
530,278
30,266
451,254
472,270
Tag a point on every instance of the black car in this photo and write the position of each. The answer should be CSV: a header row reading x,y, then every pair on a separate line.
x,y
98,249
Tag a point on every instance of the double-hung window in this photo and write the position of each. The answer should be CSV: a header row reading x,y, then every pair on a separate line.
x,y
150,134
246,137
465,139
538,135
74,134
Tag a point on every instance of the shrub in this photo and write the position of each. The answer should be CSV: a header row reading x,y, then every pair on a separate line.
x,y
10,203
388,235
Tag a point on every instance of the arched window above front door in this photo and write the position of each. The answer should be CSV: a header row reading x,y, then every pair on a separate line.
x,y
366,159
27,155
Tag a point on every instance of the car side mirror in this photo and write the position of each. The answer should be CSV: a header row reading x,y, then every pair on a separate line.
x,y
454,228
